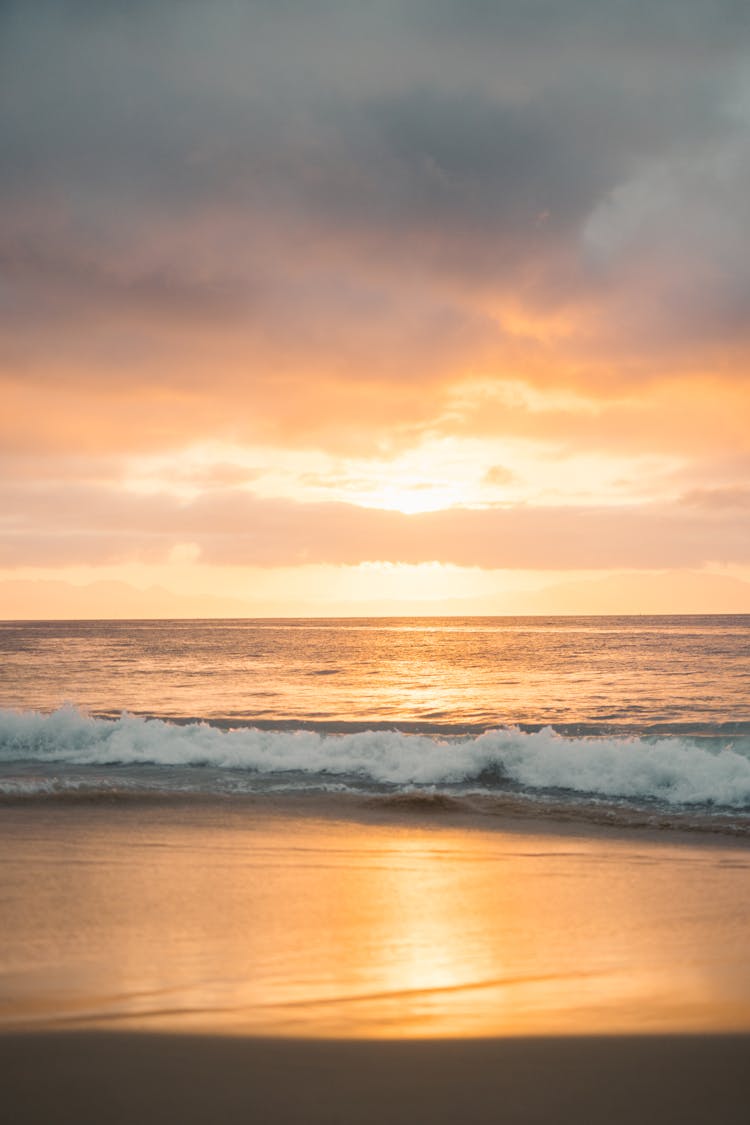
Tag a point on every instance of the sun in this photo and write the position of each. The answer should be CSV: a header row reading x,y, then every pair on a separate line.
x,y
413,499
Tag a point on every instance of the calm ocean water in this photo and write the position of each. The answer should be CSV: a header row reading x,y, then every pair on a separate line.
x,y
600,716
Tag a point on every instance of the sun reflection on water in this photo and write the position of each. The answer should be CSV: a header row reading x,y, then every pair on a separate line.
x,y
232,921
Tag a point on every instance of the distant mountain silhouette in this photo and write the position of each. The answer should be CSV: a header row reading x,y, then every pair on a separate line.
x,y
47,599
629,593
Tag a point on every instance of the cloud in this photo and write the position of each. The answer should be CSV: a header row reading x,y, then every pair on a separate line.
x,y
308,222
735,498
359,228
499,475
63,526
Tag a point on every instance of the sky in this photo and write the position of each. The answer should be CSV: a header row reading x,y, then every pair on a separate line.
x,y
335,307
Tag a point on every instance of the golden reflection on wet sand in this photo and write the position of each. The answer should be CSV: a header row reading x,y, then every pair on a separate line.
x,y
227,919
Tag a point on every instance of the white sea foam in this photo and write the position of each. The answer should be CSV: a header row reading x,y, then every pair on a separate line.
x,y
674,770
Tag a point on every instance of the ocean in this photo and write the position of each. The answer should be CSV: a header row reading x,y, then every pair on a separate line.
x,y
376,828
625,720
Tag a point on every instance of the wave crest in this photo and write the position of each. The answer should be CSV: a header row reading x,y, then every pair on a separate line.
x,y
674,770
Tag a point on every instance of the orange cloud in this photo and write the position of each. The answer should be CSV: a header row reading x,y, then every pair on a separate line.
x,y
305,230
75,524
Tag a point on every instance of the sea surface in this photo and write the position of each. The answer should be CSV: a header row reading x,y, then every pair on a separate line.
x,y
628,720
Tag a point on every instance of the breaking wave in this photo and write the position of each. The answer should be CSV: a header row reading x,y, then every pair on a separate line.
x,y
111,754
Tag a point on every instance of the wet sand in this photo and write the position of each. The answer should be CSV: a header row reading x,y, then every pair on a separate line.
x,y
85,1078
230,963
227,919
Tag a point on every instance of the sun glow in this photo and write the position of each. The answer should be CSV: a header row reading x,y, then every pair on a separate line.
x,y
414,498
438,474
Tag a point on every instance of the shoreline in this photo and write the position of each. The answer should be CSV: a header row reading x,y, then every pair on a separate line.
x,y
77,1078
410,808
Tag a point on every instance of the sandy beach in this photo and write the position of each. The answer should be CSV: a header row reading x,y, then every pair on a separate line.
x,y
231,963
81,1078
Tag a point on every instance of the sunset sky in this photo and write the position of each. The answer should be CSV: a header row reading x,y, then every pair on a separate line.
x,y
366,306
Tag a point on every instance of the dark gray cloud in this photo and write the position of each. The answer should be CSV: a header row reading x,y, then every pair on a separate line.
x,y
668,24
236,193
